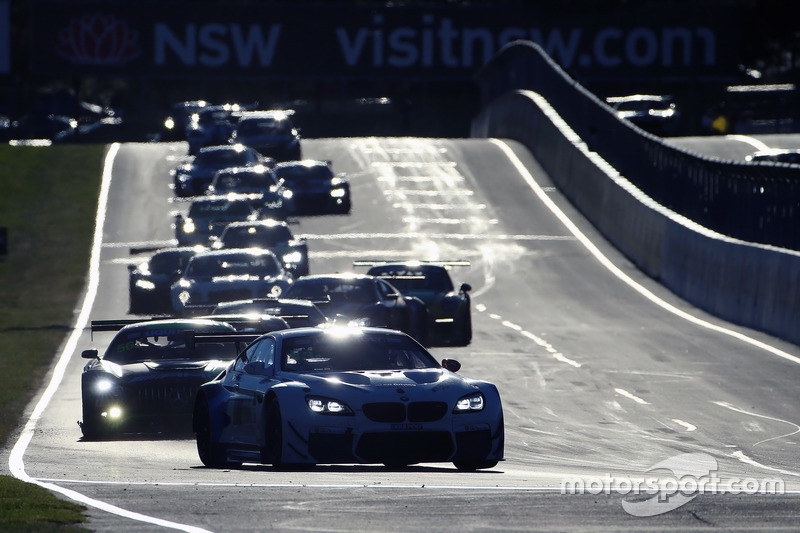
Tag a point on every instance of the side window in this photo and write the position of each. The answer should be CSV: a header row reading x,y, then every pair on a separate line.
x,y
249,355
385,289
263,351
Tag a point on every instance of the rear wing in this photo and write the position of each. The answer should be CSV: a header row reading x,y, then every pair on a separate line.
x,y
380,262
224,336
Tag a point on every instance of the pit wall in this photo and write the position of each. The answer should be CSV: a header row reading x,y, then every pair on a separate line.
x,y
753,285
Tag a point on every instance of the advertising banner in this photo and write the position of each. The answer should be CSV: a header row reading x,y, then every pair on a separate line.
x,y
349,41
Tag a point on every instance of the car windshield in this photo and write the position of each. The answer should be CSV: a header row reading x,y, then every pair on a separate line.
x,y
415,279
223,158
166,343
223,209
263,126
168,262
217,265
255,236
296,173
335,290
353,352
244,181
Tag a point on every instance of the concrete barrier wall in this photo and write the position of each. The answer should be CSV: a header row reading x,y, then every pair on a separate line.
x,y
753,285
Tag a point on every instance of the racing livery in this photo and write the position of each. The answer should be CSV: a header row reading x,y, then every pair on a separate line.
x,y
346,395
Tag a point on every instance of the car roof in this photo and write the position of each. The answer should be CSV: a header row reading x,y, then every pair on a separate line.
x,y
265,222
336,330
336,276
235,251
303,163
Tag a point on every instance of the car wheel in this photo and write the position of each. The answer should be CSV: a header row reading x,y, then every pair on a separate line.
x,y
470,466
211,454
466,336
273,447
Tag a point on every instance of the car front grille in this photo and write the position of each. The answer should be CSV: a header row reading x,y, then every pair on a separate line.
x,y
405,447
394,412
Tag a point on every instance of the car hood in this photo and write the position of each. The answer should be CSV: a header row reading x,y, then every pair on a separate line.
x,y
391,382
170,369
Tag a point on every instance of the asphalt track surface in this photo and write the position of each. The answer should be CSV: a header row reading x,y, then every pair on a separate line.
x,y
607,378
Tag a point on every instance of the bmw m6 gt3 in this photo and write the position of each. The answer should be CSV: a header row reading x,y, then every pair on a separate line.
x,y
346,395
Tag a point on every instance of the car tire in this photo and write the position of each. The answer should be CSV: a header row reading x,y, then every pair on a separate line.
x,y
211,454
466,336
471,466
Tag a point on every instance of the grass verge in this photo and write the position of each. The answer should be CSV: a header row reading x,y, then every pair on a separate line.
x,y
48,206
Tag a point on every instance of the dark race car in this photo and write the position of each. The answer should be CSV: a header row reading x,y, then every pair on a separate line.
x,y
149,374
271,133
346,395
448,311
296,313
177,122
273,235
361,300
315,190
211,126
257,183
150,281
208,216
193,177
224,275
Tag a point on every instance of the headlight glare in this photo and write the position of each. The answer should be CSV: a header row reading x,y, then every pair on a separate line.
x,y
470,403
327,406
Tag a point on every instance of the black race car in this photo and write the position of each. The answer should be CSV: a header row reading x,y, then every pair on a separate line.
x,y
361,300
448,311
315,189
193,177
271,132
208,216
271,235
148,376
150,281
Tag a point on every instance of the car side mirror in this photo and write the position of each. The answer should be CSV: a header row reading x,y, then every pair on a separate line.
x,y
255,367
451,364
465,287
89,354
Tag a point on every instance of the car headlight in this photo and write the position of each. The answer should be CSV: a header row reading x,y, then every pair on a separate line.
x,y
470,403
293,257
189,227
184,297
358,322
326,406
337,193
106,387
145,284
287,194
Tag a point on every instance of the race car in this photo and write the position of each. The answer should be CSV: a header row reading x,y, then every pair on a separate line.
x,y
193,177
149,281
223,275
315,190
296,313
449,317
346,395
273,235
208,216
361,300
149,374
269,132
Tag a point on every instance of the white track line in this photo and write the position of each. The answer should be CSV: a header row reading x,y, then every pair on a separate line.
x,y
611,267
16,461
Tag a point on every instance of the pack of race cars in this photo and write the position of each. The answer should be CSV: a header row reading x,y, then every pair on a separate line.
x,y
246,340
